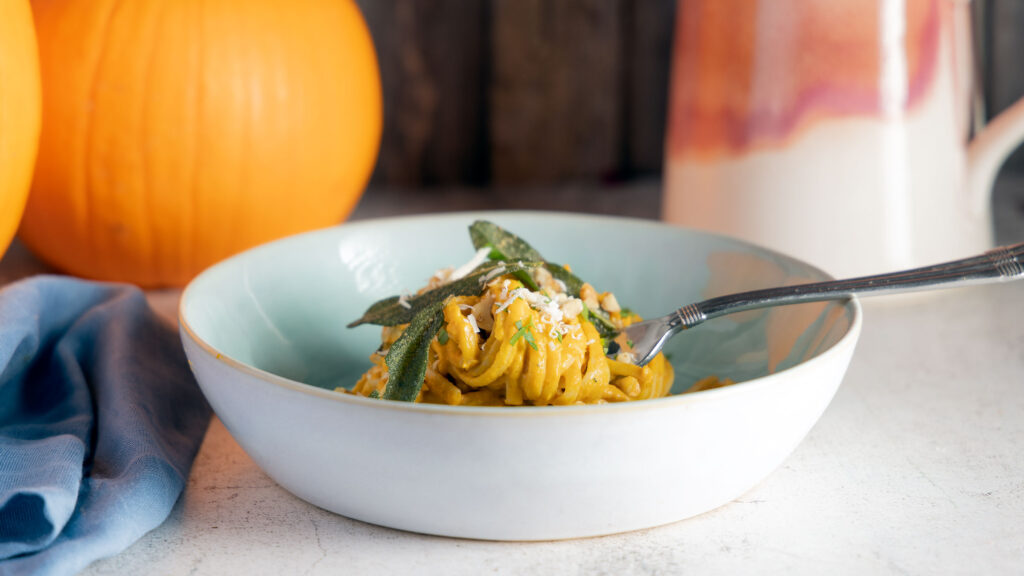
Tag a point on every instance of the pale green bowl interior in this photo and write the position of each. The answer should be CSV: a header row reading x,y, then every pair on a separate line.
x,y
283,307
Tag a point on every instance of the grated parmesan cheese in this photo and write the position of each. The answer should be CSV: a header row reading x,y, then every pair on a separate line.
x,y
554,309
492,275
471,317
479,258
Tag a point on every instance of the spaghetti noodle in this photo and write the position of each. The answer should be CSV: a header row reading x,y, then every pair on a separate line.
x,y
513,345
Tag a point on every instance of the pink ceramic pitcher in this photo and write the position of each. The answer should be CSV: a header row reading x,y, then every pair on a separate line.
x,y
833,130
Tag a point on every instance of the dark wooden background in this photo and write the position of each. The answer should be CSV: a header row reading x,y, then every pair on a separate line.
x,y
527,92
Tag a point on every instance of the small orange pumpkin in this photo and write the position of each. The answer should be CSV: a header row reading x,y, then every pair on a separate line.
x,y
178,132
19,113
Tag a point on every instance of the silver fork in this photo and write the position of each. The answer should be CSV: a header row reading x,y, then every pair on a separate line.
x,y
1003,263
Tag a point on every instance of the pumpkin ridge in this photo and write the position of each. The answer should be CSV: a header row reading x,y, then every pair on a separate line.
x,y
152,240
198,103
92,240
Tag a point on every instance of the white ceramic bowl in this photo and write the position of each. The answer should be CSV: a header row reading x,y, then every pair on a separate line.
x,y
265,334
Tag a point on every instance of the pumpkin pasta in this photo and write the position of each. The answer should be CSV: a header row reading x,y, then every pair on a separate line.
x,y
511,345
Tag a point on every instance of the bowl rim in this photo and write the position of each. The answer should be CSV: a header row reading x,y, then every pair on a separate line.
x,y
847,340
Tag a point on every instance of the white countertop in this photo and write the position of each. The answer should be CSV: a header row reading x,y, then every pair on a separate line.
x,y
916,467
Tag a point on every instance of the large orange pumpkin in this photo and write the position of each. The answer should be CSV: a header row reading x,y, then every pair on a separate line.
x,y
178,132
19,112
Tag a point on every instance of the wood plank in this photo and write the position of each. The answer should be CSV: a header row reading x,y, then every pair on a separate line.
x,y
635,198
432,55
1005,58
556,89
649,46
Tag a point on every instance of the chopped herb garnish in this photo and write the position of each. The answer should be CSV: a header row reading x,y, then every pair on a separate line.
x,y
525,333
519,333
442,337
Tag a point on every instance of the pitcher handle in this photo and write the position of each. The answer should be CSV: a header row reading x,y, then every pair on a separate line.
x,y
988,150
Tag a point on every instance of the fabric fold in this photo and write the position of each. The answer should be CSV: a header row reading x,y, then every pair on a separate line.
x,y
100,419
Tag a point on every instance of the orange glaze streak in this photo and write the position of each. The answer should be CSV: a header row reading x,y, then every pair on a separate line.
x,y
830,68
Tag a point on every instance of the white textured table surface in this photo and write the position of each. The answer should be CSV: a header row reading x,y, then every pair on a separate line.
x,y
917,467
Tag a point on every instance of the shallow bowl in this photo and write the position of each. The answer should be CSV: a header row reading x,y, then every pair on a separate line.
x,y
265,334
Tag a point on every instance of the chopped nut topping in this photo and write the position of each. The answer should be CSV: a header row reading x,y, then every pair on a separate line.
x,y
572,308
609,303
589,296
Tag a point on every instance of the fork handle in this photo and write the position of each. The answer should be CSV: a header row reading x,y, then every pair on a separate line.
x,y
1003,263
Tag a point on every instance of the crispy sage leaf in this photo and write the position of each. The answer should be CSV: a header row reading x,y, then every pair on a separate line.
x,y
407,358
389,312
602,323
507,246
381,311
572,283
504,245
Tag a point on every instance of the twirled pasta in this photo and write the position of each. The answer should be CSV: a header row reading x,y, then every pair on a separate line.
x,y
510,347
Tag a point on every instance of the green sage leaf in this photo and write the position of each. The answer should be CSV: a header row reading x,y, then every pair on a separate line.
x,y
601,322
507,246
572,283
504,244
407,358
389,311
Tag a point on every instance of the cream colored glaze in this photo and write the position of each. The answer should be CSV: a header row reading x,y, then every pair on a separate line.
x,y
854,195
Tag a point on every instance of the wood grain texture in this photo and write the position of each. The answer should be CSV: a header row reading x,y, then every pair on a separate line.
x,y
548,91
556,89
1003,60
520,91
649,52
432,55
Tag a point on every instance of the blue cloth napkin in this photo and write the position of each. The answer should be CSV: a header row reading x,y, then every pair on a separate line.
x,y
100,419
